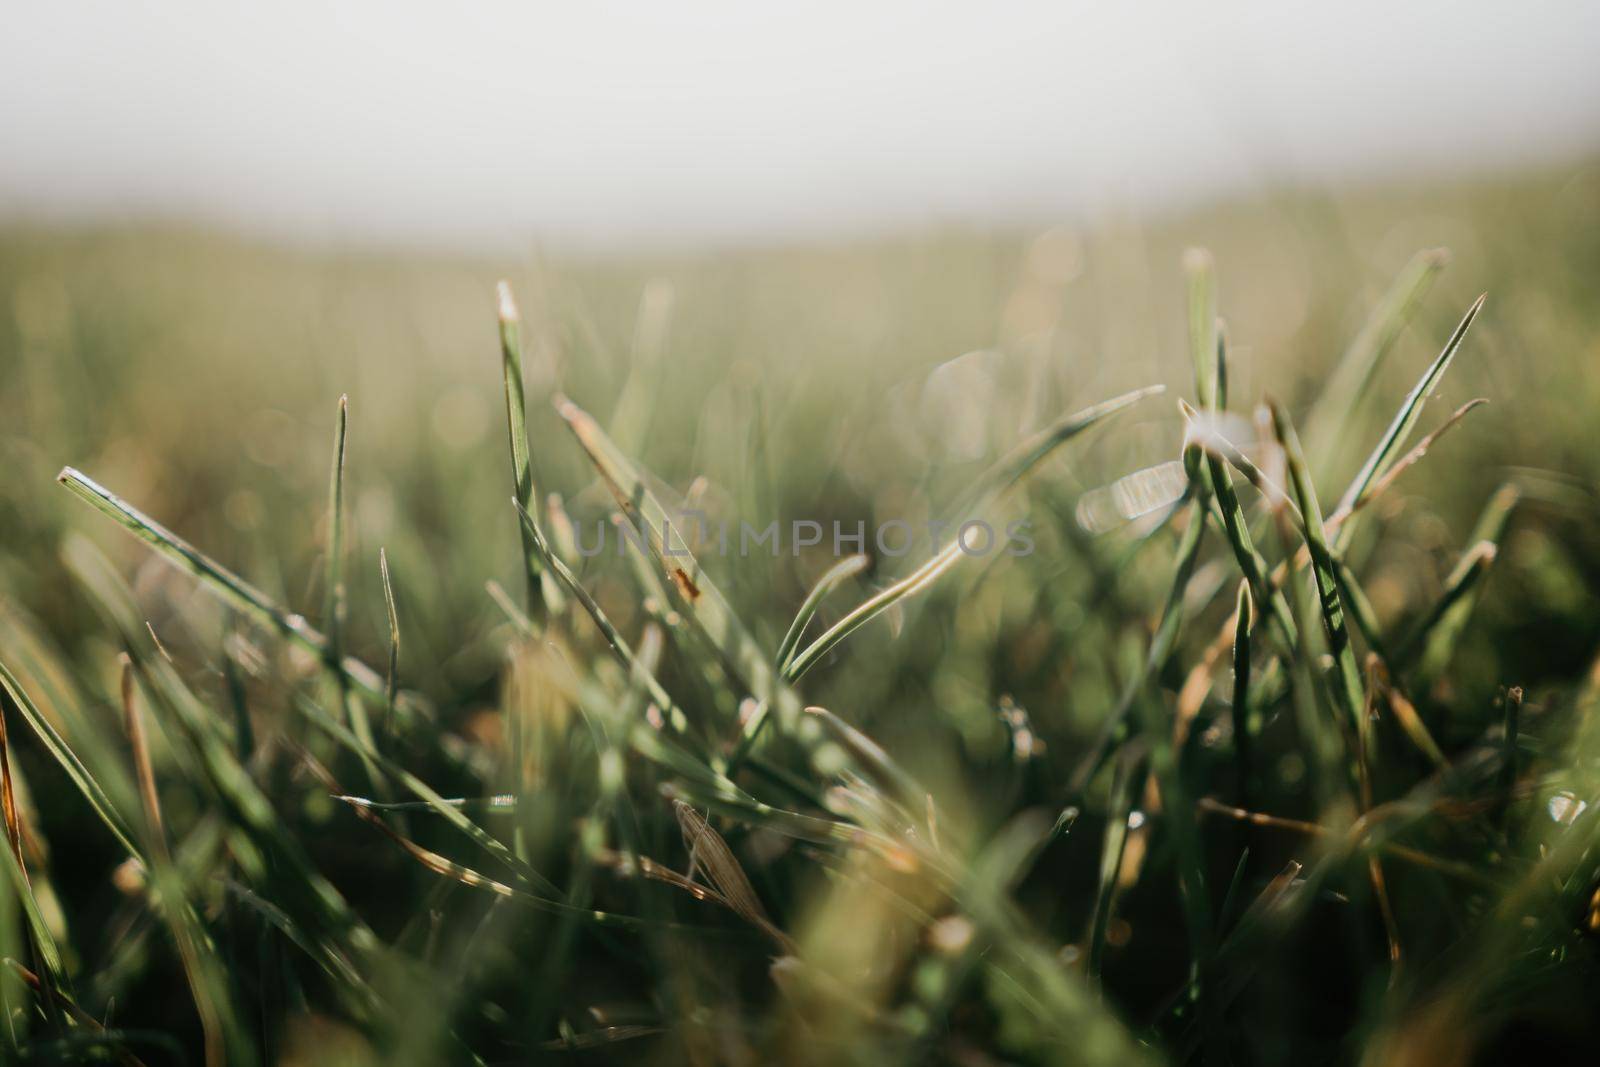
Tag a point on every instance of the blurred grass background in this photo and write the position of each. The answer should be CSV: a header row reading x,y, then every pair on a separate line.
x,y
195,374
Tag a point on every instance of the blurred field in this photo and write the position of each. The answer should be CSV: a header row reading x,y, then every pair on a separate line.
x,y
196,375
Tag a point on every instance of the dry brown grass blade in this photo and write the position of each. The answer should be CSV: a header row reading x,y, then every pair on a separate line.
x,y
46,956
1356,832
1272,894
1409,460
1405,713
142,769
708,852
608,1035
8,800
629,864
1391,926
431,860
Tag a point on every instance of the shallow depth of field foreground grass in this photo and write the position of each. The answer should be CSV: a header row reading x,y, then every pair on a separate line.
x,y
324,743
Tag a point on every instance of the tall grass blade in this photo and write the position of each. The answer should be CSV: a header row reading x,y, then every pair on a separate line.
x,y
333,616
333,613
517,425
835,576
1203,345
391,685
1404,421
1246,725
217,579
69,762
1346,676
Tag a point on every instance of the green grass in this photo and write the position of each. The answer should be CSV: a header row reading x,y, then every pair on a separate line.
x,y
1234,781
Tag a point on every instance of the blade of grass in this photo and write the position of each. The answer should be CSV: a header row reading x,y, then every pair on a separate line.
x,y
1407,461
1510,726
1346,676
340,936
873,760
1353,374
333,611
1405,713
517,425
1361,610
670,711
737,804
835,576
1325,735
1216,442
710,853
1200,270
1027,454
504,803
333,615
1162,743
1246,728
144,773
1000,478
1222,365
200,965
1358,835
1117,806
1458,587
217,579
702,601
1404,421
1161,645
391,687
452,814
503,601
69,762
366,810
1254,568
1441,643
41,943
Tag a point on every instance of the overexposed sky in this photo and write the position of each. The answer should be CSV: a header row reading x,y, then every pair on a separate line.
x,y
609,122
